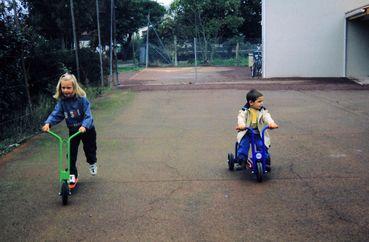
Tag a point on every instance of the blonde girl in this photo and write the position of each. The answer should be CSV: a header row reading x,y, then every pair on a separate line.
x,y
74,107
76,87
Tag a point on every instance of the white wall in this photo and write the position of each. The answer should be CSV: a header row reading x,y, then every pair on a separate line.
x,y
305,38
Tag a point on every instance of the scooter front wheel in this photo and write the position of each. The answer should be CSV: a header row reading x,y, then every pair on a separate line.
x,y
259,173
64,193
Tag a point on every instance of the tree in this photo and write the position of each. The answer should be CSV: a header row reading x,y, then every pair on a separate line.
x,y
131,15
52,19
216,19
251,13
15,41
210,20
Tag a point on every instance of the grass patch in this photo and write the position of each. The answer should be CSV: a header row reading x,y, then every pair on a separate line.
x,y
104,99
216,62
129,68
230,62
94,92
113,100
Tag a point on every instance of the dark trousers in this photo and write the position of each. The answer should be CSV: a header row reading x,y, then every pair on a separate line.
x,y
89,146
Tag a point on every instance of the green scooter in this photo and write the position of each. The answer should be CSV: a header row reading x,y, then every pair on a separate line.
x,y
64,167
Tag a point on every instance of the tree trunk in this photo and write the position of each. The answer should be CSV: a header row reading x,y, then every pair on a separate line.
x,y
25,75
126,48
62,41
206,59
24,70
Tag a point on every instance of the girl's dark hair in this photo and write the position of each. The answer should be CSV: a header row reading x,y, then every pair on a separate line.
x,y
252,95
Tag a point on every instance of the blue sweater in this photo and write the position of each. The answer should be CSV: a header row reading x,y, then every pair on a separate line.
x,y
75,110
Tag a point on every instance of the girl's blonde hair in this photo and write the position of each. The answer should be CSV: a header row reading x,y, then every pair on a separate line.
x,y
77,90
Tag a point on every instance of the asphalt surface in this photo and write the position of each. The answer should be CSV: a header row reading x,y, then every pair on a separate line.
x,y
162,173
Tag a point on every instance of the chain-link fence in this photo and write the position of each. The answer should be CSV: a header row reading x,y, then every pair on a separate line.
x,y
196,51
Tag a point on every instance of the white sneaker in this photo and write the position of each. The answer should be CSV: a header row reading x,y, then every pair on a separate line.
x,y
93,169
72,179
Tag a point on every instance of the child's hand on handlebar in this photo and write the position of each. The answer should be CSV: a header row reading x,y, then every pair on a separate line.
x,y
273,125
240,128
46,128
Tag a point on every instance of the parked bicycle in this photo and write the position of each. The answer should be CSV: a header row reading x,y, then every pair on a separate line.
x,y
256,67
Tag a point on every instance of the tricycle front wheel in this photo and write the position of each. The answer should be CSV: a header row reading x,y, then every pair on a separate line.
x,y
259,173
230,161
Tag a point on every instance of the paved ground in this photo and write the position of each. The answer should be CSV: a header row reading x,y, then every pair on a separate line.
x,y
163,176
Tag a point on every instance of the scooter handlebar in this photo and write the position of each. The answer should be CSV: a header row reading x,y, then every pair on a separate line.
x,y
60,138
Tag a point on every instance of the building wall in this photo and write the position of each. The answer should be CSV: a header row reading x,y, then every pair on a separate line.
x,y
357,49
305,38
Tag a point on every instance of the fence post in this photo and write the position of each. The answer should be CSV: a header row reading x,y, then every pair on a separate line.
x,y
147,40
75,38
111,44
100,47
175,51
194,43
115,48
237,56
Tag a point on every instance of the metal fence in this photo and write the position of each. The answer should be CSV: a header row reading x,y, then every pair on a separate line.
x,y
189,52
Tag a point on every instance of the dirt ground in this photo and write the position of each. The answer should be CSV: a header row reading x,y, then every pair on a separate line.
x,y
163,174
238,78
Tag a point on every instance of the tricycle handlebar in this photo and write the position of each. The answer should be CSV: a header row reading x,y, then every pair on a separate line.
x,y
252,131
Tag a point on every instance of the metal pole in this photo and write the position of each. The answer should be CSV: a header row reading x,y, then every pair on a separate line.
x,y
111,43
133,49
194,43
100,47
147,41
175,51
237,56
115,49
74,38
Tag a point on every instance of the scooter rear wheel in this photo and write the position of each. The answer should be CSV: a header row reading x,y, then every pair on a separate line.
x,y
259,173
64,193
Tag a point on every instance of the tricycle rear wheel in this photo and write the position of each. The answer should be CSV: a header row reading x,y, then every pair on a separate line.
x,y
230,161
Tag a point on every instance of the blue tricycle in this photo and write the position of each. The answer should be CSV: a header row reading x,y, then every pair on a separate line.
x,y
257,163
